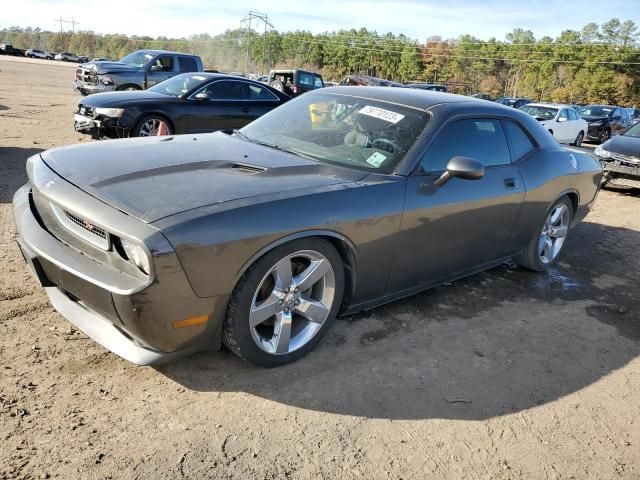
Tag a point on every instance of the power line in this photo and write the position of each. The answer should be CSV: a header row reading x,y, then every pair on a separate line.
x,y
391,50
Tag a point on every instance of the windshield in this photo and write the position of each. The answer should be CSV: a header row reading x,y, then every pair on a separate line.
x,y
633,131
137,59
595,111
179,85
339,129
540,113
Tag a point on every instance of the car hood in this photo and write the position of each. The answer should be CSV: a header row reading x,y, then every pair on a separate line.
x,y
107,67
152,178
625,145
122,98
591,118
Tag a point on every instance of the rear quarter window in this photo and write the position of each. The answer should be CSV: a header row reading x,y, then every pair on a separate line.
x,y
519,142
187,64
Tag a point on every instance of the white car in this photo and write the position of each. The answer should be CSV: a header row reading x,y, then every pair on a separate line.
x,y
33,53
67,57
562,121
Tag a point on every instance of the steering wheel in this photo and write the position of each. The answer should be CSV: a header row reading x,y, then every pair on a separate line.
x,y
386,145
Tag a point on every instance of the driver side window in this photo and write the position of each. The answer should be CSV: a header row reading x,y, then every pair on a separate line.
x,y
165,63
481,139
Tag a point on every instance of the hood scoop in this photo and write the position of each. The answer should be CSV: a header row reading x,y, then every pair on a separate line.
x,y
246,168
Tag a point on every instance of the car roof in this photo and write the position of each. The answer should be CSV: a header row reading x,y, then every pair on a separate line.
x,y
410,97
166,51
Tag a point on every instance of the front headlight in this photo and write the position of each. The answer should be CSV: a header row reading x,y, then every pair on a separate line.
x,y
596,123
110,112
601,152
136,254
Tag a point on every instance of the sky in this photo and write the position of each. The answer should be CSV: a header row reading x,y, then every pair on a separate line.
x,y
418,19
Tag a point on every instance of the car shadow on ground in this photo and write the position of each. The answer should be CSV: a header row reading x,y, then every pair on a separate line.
x,y
499,342
13,168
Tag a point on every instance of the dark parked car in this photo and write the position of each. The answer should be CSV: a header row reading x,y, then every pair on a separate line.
x,y
294,82
620,158
187,103
604,121
339,200
367,81
434,87
137,71
513,102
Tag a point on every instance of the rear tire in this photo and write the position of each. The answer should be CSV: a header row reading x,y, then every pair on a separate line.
x,y
578,141
547,241
285,302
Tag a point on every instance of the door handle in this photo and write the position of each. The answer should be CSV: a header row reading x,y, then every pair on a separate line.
x,y
245,109
511,183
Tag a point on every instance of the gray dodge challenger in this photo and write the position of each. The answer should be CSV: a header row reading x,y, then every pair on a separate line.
x,y
336,202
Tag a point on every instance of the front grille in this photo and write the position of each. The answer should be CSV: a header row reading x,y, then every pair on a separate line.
x,y
83,228
88,76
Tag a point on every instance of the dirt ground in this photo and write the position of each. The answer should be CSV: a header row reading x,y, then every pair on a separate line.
x,y
505,375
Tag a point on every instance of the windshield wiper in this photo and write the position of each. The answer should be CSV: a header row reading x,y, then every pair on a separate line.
x,y
274,146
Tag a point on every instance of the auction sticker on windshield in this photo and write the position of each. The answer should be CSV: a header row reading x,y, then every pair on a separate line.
x,y
376,159
381,113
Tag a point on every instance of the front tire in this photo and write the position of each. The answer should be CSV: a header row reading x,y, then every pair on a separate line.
x,y
285,302
605,135
546,243
152,126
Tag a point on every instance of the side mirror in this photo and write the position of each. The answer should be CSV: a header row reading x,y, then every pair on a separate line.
x,y
617,117
201,96
155,68
562,119
461,167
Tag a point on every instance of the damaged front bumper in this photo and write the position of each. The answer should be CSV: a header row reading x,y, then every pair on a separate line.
x,y
89,88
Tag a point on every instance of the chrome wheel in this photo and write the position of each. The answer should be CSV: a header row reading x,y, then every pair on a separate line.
x,y
154,127
292,302
554,232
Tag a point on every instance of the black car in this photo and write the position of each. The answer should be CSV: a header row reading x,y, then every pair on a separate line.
x,y
294,82
187,103
513,101
604,121
620,158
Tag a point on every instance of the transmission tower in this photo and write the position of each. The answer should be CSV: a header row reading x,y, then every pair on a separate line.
x,y
261,21
73,27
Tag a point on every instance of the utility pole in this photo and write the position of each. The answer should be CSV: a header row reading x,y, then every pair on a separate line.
x,y
245,26
73,27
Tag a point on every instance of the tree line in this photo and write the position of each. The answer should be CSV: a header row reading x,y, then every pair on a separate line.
x,y
597,64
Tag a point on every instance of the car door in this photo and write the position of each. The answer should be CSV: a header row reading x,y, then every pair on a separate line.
x,y
563,127
159,69
575,123
220,105
452,229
